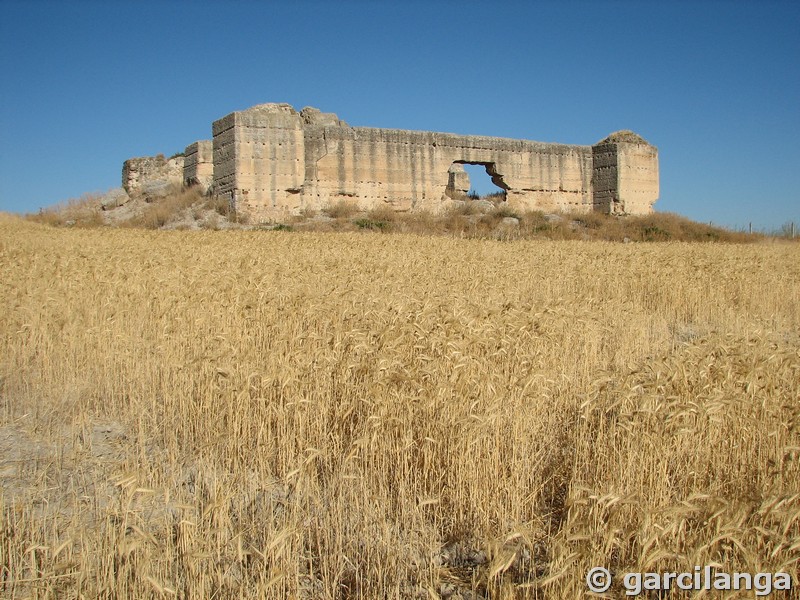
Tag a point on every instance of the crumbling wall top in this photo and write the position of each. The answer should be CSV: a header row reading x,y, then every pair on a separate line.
x,y
272,108
314,116
625,136
151,174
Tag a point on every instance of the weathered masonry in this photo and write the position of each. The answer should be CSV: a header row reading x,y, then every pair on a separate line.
x,y
272,161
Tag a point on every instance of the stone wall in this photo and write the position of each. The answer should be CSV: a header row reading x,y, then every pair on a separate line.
x,y
198,165
411,169
151,175
273,161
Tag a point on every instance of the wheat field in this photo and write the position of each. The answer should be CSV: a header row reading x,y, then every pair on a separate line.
x,y
278,414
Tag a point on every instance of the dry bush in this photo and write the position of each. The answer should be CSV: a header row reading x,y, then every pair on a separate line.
x,y
382,218
496,197
534,221
384,213
656,227
344,209
308,213
419,222
593,220
224,208
461,219
463,208
236,414
219,204
662,227
85,211
171,207
493,219
480,218
788,230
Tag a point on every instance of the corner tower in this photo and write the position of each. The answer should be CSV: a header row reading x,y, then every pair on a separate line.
x,y
259,159
624,174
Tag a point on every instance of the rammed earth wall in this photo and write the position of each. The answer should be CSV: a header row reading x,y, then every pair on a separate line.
x,y
272,161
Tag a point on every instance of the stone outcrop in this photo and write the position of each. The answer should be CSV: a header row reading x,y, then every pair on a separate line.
x,y
272,161
114,199
151,175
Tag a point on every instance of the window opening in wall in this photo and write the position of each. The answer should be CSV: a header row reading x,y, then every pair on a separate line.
x,y
476,181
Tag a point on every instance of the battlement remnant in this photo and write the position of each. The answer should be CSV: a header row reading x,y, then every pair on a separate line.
x,y
198,164
272,161
151,175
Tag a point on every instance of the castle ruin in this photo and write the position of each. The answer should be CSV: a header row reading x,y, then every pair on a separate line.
x,y
272,162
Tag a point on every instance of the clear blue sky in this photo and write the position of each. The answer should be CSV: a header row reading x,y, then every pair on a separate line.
x,y
715,85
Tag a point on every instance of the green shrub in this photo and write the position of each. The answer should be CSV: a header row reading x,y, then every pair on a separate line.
x,y
371,224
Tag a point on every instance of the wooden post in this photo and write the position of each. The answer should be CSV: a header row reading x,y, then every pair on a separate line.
x,y
750,227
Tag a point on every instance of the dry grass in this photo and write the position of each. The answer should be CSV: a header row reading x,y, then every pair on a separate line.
x,y
308,415
471,220
85,211
341,210
183,208
163,211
